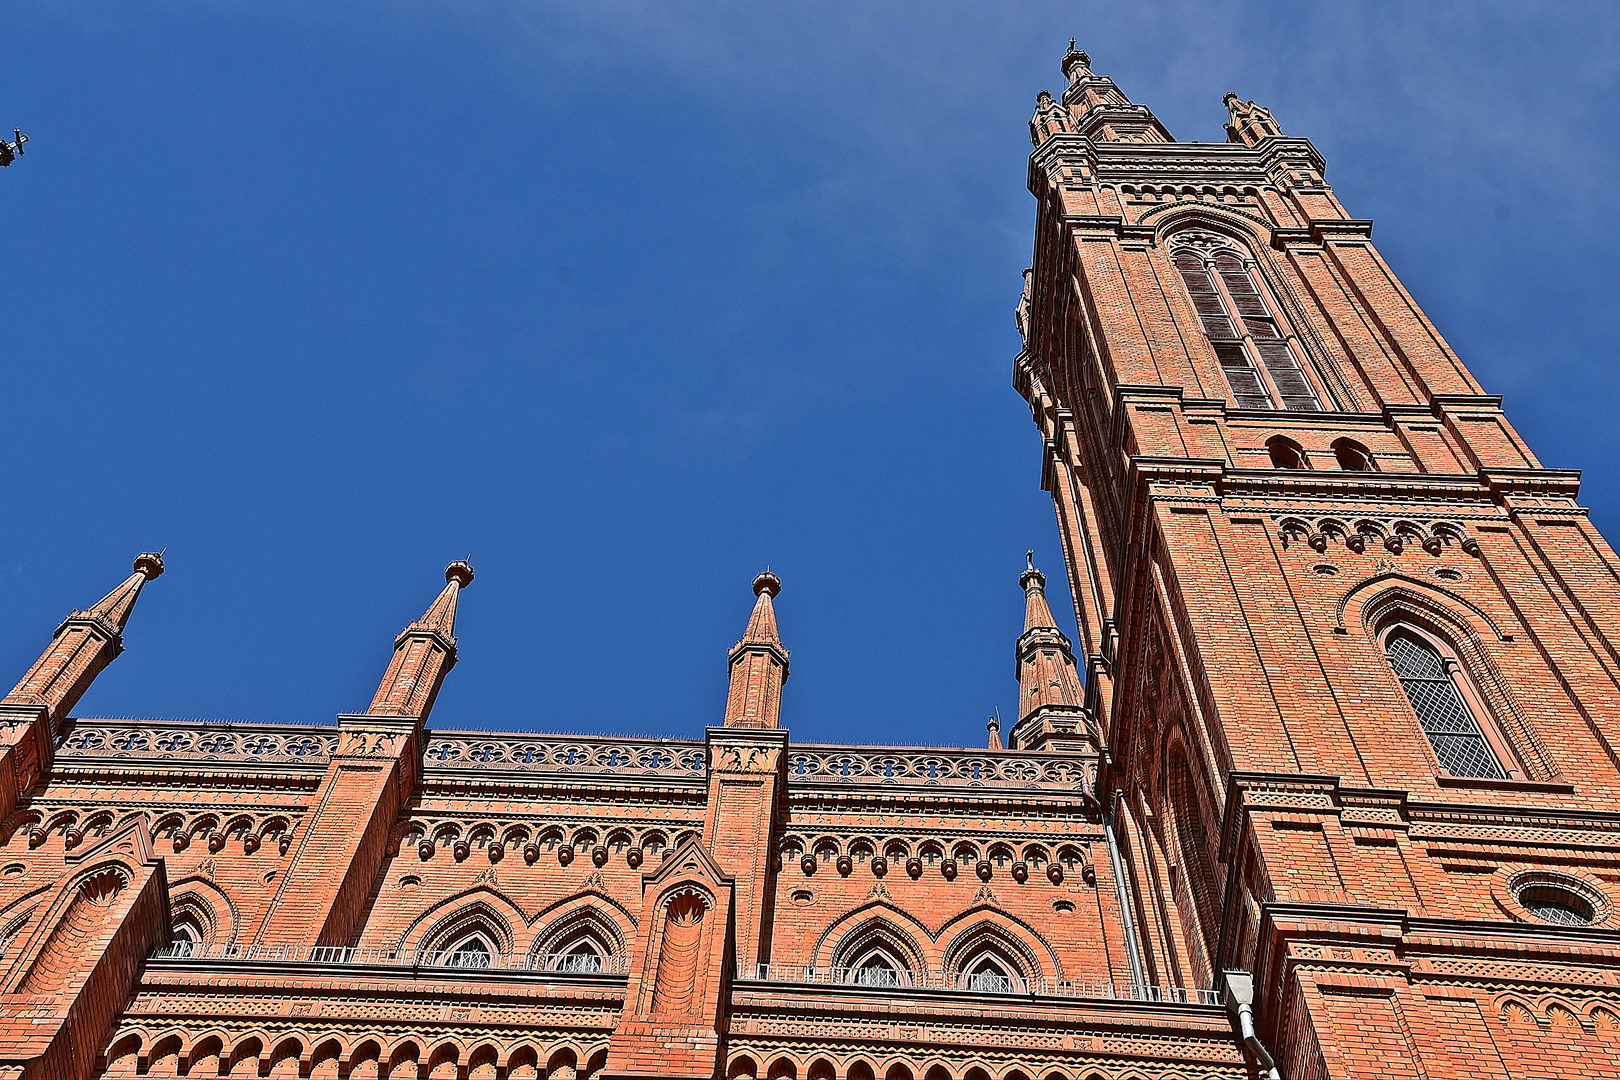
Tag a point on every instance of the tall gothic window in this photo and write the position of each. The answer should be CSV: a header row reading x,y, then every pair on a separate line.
x,y
1430,682
1261,367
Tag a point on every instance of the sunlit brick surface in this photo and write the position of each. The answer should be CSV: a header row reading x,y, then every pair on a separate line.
x,y
1265,462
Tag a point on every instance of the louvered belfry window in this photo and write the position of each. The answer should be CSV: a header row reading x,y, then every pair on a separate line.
x,y
1452,730
1259,363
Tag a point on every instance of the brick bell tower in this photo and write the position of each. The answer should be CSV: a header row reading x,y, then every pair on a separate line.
x,y
1352,653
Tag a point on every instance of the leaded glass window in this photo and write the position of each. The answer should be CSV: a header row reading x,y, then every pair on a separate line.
x,y
1557,905
1452,730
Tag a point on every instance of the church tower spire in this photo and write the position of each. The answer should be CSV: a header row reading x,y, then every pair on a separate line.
x,y
1050,696
759,664
423,653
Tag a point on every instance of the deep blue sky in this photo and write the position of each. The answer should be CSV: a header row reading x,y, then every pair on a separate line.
x,y
628,301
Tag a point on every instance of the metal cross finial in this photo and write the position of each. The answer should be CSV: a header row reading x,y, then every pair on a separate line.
x,y
11,151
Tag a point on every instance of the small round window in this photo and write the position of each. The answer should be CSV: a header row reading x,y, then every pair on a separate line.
x,y
1557,905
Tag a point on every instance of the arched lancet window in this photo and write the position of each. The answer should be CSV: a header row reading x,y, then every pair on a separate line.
x,y
1431,681
1352,456
583,954
877,968
187,938
987,975
1261,366
469,951
1286,453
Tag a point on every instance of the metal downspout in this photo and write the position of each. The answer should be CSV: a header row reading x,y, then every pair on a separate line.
x,y
1133,945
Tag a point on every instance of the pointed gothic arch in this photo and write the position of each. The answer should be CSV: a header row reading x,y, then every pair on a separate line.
x,y
1248,329
1463,632
1004,947
198,902
873,927
464,920
584,937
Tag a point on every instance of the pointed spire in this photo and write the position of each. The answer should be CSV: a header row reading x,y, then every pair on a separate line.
x,y
1050,696
86,642
114,608
441,617
1037,613
762,623
423,653
759,663
994,727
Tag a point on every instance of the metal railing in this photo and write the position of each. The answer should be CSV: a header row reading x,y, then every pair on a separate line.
x,y
1042,986
557,963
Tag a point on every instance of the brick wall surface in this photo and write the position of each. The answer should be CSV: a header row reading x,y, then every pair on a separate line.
x,y
1223,773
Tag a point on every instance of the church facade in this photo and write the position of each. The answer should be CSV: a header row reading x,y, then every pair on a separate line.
x,y
1327,787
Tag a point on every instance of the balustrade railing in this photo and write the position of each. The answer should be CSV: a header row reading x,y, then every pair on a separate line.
x,y
556,963
198,742
563,754
975,984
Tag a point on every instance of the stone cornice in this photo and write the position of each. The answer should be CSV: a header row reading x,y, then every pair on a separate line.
x,y
1323,794
769,648
1529,481
98,626
1404,487
417,632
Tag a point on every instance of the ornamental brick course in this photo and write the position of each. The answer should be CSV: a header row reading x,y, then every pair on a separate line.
x,y
1271,476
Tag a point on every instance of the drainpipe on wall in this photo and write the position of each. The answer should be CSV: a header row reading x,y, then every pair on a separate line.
x,y
1133,947
1239,994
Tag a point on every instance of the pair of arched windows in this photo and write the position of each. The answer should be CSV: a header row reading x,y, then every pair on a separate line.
x,y
474,949
984,973
1262,368
1288,454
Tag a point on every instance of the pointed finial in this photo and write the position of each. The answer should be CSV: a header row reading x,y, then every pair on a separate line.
x,y
460,572
1031,574
768,583
994,728
150,563
1075,60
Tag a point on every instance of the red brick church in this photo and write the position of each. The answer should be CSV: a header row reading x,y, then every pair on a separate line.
x,y
1329,788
